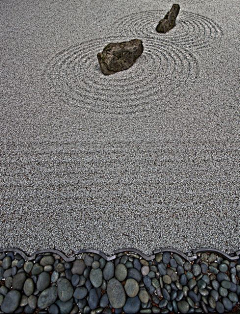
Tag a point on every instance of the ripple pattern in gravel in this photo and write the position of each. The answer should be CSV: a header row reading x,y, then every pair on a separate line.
x,y
74,75
192,31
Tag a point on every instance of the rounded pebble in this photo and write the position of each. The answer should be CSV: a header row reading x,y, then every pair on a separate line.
x,y
121,272
116,293
131,287
11,301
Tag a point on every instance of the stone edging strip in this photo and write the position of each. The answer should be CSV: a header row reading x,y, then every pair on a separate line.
x,y
167,281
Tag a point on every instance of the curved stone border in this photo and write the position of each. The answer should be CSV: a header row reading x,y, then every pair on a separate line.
x,y
168,281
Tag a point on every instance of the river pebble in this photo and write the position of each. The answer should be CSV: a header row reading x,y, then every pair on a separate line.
x,y
94,285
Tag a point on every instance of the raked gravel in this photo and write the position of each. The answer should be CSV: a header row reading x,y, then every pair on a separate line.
x,y
146,158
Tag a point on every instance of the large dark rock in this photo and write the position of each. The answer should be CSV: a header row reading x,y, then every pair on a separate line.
x,y
169,21
119,56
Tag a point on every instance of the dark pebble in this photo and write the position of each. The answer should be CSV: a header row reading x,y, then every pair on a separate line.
x,y
166,294
78,267
183,306
54,309
11,301
137,264
134,274
227,304
162,269
132,305
183,280
193,296
47,297
64,289
65,307
108,271
163,303
104,301
80,293
180,295
75,280
220,307
173,263
204,267
222,276
28,310
166,257
43,281
180,270
93,299
18,281
116,293
37,269
81,304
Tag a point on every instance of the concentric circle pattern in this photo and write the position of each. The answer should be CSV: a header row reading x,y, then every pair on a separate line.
x,y
192,30
74,75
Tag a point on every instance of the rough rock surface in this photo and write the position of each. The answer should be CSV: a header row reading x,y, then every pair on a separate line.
x,y
169,21
117,57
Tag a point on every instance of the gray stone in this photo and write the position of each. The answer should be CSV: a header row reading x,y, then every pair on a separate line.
x,y
104,301
28,287
47,297
64,289
169,20
116,293
6,263
18,281
47,260
65,307
3,290
88,260
37,269
93,299
54,309
227,304
132,305
43,281
96,277
144,296
75,280
162,269
54,276
178,259
131,287
78,267
196,270
80,293
135,274
28,267
167,279
212,302
220,307
117,57
166,257
32,302
121,272
183,306
11,301
145,270
108,271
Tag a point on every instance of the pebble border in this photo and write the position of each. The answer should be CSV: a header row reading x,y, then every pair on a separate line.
x,y
168,281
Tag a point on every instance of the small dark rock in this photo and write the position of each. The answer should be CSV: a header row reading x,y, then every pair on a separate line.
x,y
11,301
169,20
119,56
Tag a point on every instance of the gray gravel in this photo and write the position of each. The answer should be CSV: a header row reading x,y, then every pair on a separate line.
x,y
148,158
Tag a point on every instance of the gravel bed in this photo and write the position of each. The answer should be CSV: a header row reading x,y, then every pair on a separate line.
x,y
126,283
